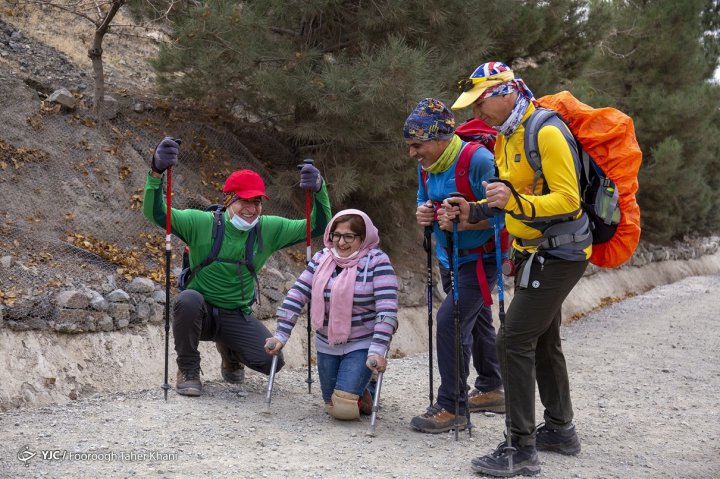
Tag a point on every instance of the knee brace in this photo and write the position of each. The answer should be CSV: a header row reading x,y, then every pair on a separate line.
x,y
344,406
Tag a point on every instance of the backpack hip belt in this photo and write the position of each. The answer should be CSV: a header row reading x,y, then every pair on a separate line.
x,y
576,232
487,248
480,269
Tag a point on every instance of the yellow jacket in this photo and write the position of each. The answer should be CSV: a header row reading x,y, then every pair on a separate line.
x,y
559,171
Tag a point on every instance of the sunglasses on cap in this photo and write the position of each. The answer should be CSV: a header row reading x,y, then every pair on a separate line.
x,y
467,84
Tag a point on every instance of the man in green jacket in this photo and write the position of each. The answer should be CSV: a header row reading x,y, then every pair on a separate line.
x,y
217,302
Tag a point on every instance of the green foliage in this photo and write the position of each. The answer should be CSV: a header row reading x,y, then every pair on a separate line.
x,y
339,77
659,76
336,79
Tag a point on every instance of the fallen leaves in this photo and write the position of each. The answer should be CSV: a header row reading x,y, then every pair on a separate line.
x,y
18,156
130,262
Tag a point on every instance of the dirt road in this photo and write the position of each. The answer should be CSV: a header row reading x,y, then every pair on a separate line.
x,y
645,378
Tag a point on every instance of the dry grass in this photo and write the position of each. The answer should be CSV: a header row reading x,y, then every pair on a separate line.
x,y
124,56
604,303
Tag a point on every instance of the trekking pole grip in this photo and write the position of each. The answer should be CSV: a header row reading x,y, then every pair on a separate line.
x,y
455,194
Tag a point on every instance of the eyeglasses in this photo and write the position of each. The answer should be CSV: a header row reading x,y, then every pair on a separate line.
x,y
348,237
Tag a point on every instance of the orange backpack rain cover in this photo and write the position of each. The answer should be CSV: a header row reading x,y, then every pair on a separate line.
x,y
608,136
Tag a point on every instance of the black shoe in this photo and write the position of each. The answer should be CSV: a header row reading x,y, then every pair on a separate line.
x,y
524,458
563,441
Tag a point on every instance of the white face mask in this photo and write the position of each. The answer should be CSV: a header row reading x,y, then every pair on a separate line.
x,y
241,224
335,253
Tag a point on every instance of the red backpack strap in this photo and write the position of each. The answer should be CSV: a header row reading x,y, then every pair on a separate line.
x,y
462,170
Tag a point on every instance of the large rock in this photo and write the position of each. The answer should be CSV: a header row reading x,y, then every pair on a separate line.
x,y
73,299
64,98
140,285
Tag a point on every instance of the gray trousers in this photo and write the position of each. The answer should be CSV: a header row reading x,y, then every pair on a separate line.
x,y
530,349
195,320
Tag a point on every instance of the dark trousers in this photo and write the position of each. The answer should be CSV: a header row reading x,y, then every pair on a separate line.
x,y
477,337
531,338
196,320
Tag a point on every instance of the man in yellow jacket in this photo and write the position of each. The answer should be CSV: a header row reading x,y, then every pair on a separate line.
x,y
551,249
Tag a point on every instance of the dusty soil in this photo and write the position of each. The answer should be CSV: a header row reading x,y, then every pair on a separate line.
x,y
645,377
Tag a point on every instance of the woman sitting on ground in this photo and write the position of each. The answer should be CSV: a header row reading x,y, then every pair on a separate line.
x,y
352,290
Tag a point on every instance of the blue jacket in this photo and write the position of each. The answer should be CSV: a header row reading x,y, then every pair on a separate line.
x,y
439,187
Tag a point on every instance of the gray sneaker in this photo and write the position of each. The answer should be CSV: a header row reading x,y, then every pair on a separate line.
x,y
563,441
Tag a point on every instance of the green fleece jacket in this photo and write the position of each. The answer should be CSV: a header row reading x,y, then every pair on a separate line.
x,y
220,283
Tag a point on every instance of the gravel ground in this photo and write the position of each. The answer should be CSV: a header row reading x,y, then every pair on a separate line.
x,y
645,378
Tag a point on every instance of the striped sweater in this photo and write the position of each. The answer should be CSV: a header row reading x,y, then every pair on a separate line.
x,y
374,311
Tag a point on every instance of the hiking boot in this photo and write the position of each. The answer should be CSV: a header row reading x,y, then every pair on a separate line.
x,y
563,441
188,382
365,403
496,464
490,401
232,370
436,419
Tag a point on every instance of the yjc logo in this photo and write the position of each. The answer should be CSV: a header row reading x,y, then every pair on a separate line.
x,y
25,454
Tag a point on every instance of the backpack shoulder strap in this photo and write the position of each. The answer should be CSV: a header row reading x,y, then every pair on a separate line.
x,y
218,233
254,237
532,128
423,179
462,170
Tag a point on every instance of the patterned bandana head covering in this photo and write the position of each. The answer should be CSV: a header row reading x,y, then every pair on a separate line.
x,y
489,79
430,120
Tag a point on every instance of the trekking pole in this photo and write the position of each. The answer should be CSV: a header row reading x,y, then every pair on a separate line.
x,y
308,257
453,259
376,399
427,244
168,255
501,307
271,381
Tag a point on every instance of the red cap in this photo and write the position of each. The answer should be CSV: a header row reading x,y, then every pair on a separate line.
x,y
245,184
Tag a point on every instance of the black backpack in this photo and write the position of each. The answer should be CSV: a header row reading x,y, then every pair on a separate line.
x,y
218,233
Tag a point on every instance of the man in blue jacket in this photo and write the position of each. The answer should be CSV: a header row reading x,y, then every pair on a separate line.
x,y
429,133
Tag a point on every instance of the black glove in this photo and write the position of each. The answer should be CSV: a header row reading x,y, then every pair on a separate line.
x,y
482,211
166,154
310,178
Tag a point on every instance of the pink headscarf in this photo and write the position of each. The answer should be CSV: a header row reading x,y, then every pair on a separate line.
x,y
341,298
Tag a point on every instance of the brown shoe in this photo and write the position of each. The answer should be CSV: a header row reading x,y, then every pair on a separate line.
x,y
436,419
232,370
188,382
490,401
365,403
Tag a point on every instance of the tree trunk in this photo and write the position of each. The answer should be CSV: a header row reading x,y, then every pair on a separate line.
x,y
95,54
